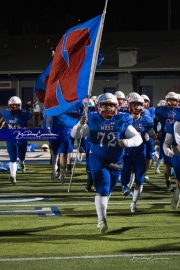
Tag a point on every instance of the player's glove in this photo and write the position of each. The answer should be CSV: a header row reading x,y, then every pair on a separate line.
x,y
155,156
169,152
111,166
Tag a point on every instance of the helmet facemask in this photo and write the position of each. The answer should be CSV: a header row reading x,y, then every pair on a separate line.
x,y
14,105
107,110
107,105
14,108
146,104
171,100
171,103
121,101
136,108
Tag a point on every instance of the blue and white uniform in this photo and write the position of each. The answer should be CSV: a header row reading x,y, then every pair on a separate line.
x,y
104,135
135,157
15,118
16,149
109,132
171,147
165,115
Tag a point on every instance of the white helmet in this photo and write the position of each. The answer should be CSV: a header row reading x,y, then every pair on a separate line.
x,y
161,102
171,100
45,147
171,95
119,94
102,105
14,100
146,101
107,98
14,104
145,97
135,98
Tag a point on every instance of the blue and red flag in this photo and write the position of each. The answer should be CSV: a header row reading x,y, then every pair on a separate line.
x,y
41,82
68,81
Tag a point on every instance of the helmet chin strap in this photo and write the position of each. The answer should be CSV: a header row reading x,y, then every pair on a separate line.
x,y
107,115
136,116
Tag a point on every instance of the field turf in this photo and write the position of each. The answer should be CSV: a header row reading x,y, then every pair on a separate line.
x,y
43,226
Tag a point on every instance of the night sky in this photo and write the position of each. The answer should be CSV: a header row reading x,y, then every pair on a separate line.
x,y
34,17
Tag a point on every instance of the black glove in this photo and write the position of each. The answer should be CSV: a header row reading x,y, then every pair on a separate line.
x,y
111,166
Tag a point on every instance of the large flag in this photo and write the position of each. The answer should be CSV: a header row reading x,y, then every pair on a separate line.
x,y
42,81
72,67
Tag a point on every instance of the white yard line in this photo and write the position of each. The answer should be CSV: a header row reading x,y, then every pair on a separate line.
x,y
134,257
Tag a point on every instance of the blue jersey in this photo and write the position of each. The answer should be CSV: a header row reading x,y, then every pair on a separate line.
x,y
18,120
105,133
151,112
142,125
57,126
167,115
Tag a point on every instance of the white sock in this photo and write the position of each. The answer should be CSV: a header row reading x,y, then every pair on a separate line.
x,y
131,180
54,162
137,192
13,168
101,206
158,163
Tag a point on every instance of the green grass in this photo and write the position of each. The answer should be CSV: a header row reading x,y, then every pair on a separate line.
x,y
148,239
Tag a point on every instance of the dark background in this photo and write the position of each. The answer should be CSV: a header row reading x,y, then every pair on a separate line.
x,y
36,17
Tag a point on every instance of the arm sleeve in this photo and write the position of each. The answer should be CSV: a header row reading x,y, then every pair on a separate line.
x,y
133,138
79,131
167,143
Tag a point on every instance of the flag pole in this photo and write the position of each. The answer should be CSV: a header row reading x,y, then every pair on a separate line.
x,y
96,51
91,80
77,152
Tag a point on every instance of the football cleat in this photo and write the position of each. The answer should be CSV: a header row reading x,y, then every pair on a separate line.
x,y
80,156
89,185
133,207
169,188
22,166
125,190
61,178
54,175
102,226
12,179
